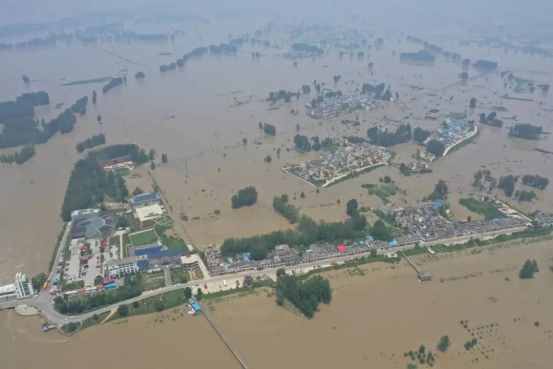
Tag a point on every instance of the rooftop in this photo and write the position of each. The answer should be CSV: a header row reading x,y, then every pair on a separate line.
x,y
149,212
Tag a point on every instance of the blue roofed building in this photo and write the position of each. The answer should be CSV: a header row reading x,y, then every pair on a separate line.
x,y
144,199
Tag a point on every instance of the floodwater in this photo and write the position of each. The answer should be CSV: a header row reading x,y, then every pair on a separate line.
x,y
192,115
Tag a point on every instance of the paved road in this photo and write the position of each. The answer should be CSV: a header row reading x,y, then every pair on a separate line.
x,y
43,302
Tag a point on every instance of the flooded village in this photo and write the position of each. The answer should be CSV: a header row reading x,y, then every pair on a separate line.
x,y
405,139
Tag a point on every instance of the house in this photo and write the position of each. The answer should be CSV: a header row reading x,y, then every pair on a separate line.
x,y
122,267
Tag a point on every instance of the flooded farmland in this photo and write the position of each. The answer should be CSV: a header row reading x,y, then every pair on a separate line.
x,y
199,115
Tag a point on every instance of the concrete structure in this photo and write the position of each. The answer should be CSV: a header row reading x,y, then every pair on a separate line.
x,y
20,289
8,292
23,285
147,215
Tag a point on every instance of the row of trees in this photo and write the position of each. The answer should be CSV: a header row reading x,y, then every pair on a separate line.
x,y
71,305
307,232
91,142
18,157
385,138
23,106
112,84
535,181
304,295
403,134
284,208
89,184
303,144
286,96
24,130
526,131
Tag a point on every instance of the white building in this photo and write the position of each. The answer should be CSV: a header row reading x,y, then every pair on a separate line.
x,y
123,267
147,215
8,292
23,285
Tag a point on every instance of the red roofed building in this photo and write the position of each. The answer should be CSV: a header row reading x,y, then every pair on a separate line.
x,y
341,248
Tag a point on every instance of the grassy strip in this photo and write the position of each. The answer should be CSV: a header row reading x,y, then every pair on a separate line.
x,y
143,237
487,209
87,81
154,304
534,233
54,254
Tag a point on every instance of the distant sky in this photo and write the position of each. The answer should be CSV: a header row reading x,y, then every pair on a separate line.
x,y
14,11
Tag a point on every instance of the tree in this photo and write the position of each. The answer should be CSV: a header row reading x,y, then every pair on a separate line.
x,y
98,280
268,159
164,158
199,294
440,191
420,135
529,268
352,207
244,197
435,147
187,293
507,184
472,103
380,232
38,281
123,310
152,154
443,344
302,143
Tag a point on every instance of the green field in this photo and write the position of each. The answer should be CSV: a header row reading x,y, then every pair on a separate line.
x,y
154,304
143,237
486,209
152,281
382,191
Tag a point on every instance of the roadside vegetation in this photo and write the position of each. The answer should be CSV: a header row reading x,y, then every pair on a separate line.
x,y
80,304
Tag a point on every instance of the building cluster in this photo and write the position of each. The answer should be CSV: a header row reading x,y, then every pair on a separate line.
x,y
147,208
348,160
544,219
425,225
332,107
453,132
285,256
97,250
422,225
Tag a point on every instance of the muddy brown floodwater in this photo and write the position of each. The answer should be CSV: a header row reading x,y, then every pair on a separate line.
x,y
192,115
